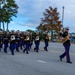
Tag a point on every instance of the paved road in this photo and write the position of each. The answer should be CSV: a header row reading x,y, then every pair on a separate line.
x,y
42,63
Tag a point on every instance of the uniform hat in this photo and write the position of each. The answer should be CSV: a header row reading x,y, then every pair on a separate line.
x,y
67,28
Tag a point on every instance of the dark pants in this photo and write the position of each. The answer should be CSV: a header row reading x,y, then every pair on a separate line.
x,y
5,47
12,47
0,46
31,43
66,53
17,47
21,44
26,48
46,45
37,46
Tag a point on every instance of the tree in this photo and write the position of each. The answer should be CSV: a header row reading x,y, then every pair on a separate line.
x,y
51,21
10,9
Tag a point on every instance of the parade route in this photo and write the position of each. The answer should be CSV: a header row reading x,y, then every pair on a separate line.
x,y
41,63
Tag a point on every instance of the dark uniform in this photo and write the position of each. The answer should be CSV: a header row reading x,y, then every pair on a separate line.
x,y
46,40
21,41
5,41
26,43
1,41
66,45
37,42
17,40
12,43
31,40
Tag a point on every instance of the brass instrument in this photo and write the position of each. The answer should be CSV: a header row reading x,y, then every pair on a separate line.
x,y
27,37
66,38
12,37
48,37
37,38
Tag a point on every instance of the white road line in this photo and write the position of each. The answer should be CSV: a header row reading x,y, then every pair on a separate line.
x,y
41,61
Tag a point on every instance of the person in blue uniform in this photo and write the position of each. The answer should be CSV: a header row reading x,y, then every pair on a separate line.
x,y
12,42
21,41
31,40
17,40
26,42
66,44
5,41
46,40
37,41
1,40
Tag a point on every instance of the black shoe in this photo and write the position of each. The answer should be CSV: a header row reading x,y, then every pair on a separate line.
x,y
37,51
17,50
44,48
27,53
24,51
5,52
34,49
0,49
12,54
60,58
69,62
21,48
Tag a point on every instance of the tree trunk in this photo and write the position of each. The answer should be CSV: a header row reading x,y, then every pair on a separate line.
x,y
51,35
3,27
0,24
7,26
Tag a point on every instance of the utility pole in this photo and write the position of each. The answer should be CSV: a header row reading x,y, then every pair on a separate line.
x,y
62,15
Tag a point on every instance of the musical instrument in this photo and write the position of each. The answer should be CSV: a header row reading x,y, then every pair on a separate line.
x,y
66,38
27,37
37,38
47,37
12,37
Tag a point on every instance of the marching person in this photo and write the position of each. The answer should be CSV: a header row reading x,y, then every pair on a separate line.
x,y
26,42
46,40
66,44
1,39
21,41
5,41
31,40
17,41
12,42
37,42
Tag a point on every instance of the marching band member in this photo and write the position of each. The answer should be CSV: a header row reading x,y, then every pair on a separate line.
x,y
31,40
37,42
46,40
26,42
5,41
17,40
21,40
66,44
1,39
12,42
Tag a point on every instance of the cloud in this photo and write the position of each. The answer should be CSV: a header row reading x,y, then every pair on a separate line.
x,y
32,10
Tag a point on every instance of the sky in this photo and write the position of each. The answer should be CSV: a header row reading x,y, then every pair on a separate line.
x,y
30,13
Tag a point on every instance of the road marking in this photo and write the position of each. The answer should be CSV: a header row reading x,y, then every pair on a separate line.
x,y
41,61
